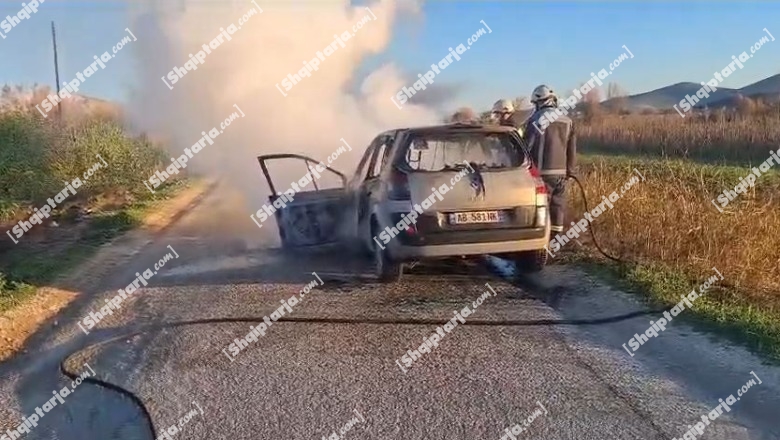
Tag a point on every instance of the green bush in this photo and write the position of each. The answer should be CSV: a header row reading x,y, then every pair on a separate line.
x,y
38,156
130,160
24,141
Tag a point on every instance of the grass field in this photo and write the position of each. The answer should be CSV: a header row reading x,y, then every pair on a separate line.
x,y
668,227
741,140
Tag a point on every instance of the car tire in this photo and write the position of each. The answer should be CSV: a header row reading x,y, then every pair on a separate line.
x,y
385,268
530,261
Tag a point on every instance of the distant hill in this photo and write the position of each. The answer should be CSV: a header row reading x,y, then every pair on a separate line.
x,y
666,97
768,85
733,101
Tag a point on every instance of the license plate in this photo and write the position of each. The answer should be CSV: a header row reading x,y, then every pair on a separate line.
x,y
461,218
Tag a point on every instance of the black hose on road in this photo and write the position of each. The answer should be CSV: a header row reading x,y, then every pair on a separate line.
x,y
352,321
343,321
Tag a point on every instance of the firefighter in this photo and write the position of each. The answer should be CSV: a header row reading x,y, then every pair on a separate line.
x,y
504,112
464,115
552,143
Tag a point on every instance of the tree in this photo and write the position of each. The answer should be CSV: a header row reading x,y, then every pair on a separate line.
x,y
521,102
617,97
590,104
464,114
615,91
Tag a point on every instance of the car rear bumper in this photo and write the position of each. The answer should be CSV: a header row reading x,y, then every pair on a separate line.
x,y
459,243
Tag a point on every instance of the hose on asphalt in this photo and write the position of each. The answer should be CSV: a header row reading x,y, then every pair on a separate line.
x,y
590,229
73,375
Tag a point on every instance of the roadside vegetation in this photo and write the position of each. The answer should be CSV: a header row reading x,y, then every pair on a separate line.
x,y
37,155
666,228
668,224
672,236
719,138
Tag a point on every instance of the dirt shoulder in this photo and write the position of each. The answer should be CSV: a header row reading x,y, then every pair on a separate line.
x,y
30,306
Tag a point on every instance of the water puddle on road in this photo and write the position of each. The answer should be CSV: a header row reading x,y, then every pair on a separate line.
x,y
221,264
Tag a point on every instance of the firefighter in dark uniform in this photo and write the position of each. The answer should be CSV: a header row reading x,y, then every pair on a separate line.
x,y
504,113
553,146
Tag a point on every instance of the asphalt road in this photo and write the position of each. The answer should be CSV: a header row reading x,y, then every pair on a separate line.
x,y
308,380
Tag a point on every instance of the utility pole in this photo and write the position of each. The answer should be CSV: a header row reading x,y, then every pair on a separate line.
x,y
56,70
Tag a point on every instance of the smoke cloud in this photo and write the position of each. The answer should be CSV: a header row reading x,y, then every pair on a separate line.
x,y
245,71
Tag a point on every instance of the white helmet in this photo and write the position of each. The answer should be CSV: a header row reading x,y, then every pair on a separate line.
x,y
542,94
503,106
464,114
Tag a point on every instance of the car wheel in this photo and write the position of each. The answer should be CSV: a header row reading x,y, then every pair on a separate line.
x,y
530,261
386,270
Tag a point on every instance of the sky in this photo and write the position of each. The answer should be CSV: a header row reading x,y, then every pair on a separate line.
x,y
530,43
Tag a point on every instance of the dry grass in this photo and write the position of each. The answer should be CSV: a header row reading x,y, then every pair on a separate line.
x,y
669,218
668,224
721,139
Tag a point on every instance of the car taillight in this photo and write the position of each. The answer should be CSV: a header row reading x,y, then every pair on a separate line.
x,y
399,186
541,197
541,188
398,217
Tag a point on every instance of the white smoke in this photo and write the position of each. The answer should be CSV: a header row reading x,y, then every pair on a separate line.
x,y
317,112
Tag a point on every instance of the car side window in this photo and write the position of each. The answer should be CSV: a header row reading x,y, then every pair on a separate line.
x,y
381,156
362,169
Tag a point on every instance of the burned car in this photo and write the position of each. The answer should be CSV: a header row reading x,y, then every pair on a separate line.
x,y
423,193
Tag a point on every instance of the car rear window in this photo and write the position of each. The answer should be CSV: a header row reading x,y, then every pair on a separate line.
x,y
443,151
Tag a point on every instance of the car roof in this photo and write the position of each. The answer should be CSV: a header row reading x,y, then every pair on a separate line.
x,y
457,128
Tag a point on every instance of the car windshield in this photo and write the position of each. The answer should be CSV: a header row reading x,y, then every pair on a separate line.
x,y
449,151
